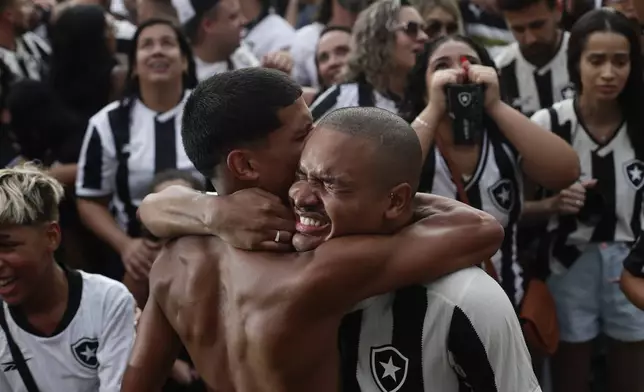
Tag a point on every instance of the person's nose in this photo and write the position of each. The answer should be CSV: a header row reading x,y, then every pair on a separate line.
x,y
303,195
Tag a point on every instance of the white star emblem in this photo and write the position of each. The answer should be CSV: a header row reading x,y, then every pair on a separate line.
x,y
504,195
390,369
635,173
88,353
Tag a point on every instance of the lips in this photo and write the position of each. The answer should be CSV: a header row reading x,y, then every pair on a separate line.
x,y
607,89
7,285
311,224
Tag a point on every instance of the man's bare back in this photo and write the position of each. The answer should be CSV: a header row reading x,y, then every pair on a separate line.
x,y
240,317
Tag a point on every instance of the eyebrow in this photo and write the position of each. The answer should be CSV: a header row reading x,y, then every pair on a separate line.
x,y
325,176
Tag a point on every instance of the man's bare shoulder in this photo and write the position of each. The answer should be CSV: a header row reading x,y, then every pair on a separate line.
x,y
183,260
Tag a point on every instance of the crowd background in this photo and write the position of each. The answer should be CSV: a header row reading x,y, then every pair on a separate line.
x,y
94,91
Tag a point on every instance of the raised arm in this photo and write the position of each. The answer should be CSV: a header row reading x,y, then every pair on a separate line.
x,y
155,349
346,270
248,219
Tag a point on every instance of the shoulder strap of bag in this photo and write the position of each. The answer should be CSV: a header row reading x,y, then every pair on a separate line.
x,y
21,364
460,188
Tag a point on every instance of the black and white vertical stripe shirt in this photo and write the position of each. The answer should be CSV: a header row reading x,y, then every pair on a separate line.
x,y
496,187
457,334
619,171
358,94
120,157
29,60
529,88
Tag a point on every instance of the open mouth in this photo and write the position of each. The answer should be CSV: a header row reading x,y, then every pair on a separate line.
x,y
4,282
311,225
159,65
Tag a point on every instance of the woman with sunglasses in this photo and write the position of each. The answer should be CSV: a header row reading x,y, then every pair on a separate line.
x,y
594,222
491,165
386,38
442,17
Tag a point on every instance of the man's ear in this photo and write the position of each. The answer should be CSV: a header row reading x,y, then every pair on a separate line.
x,y
242,165
52,230
400,198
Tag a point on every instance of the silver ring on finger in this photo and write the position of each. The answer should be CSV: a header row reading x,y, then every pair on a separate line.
x,y
277,236
579,203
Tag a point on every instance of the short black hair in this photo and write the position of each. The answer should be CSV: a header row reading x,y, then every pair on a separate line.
x,y
518,5
398,155
233,109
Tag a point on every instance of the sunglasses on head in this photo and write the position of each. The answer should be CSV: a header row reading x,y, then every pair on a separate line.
x,y
435,27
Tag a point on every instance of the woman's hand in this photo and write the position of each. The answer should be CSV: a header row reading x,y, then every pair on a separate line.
x,y
487,76
437,102
572,199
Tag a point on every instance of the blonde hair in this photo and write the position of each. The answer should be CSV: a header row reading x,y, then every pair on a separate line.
x,y
425,7
28,196
372,42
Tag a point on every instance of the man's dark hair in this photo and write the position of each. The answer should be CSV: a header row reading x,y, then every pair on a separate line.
x,y
231,110
397,156
518,5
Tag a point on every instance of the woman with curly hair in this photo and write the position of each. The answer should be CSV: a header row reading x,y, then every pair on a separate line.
x,y
386,38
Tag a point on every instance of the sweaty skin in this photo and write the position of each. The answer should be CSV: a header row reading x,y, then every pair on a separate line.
x,y
260,321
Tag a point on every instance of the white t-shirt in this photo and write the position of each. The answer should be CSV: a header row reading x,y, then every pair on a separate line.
x,y
271,34
303,51
90,350
242,58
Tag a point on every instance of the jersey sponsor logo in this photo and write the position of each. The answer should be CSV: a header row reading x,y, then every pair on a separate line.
x,y
388,368
634,173
11,365
502,195
85,352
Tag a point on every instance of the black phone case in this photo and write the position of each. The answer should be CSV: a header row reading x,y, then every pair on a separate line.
x,y
465,104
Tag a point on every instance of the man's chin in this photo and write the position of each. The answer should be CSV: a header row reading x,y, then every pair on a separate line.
x,y
304,243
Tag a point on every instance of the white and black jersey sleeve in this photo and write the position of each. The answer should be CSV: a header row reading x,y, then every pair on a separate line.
x,y
117,338
97,163
485,342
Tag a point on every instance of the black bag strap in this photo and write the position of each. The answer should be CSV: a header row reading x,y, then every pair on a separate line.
x,y
21,364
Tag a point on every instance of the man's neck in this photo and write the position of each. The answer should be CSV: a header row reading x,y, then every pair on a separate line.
x,y
547,57
251,9
53,290
340,16
7,38
208,53
162,98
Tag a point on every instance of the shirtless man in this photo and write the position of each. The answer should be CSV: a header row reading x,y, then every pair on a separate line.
x,y
282,311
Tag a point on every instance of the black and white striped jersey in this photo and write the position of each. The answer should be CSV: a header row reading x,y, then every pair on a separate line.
x,y
269,34
496,187
457,334
121,156
351,95
620,178
529,88
29,60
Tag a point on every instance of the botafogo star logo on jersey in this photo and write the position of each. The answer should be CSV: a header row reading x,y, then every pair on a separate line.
x,y
85,352
388,368
634,173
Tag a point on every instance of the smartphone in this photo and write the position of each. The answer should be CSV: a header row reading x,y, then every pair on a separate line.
x,y
465,105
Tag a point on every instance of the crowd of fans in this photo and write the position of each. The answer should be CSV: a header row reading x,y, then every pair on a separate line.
x,y
94,91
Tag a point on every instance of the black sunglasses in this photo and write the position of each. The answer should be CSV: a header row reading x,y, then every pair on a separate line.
x,y
435,27
412,28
